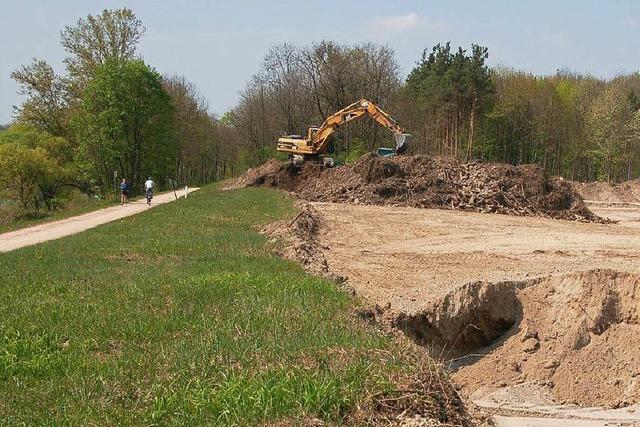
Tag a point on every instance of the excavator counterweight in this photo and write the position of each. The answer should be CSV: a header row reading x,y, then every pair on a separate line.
x,y
316,142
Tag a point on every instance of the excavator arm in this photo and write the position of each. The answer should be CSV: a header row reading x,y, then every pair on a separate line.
x,y
317,139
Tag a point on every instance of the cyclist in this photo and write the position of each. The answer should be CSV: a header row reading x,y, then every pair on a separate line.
x,y
148,189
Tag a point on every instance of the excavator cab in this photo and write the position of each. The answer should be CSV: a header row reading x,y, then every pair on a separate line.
x,y
385,152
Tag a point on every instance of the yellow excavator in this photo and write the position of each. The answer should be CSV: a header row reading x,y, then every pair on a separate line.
x,y
314,145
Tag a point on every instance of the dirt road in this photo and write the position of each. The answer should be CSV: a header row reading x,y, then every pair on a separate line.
x,y
57,229
410,257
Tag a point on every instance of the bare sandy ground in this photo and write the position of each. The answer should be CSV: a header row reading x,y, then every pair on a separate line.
x,y
411,257
57,229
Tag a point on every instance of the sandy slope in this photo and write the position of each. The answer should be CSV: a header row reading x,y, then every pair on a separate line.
x,y
57,229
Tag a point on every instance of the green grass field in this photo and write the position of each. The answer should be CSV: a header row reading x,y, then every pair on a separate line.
x,y
182,316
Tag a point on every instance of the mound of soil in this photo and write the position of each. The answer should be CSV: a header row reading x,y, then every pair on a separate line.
x,y
624,192
296,240
577,334
260,175
427,182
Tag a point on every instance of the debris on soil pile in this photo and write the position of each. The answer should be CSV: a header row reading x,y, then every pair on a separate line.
x,y
254,177
423,399
624,192
421,181
577,334
296,240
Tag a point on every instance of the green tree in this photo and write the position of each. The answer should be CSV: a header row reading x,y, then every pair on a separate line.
x,y
47,97
478,88
200,153
633,141
112,35
607,118
94,40
21,169
124,122
35,166
449,90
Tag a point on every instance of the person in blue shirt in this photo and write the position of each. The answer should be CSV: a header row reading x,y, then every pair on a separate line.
x,y
124,191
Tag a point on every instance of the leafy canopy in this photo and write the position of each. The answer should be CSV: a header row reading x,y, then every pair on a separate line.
x,y
124,119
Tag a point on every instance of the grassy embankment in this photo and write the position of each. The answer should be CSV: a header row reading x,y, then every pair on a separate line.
x,y
181,315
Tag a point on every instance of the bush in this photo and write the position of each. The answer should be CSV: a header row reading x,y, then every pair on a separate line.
x,y
34,167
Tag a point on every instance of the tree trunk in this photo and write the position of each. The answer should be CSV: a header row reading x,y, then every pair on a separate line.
x,y
472,117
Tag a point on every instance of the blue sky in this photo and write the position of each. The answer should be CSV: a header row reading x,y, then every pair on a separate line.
x,y
218,45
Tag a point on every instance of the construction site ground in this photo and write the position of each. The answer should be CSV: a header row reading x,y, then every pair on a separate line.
x,y
408,261
412,257
525,287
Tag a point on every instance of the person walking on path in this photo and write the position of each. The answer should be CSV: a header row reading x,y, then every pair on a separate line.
x,y
124,191
148,190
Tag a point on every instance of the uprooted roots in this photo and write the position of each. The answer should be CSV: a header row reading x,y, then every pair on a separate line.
x,y
424,399
426,182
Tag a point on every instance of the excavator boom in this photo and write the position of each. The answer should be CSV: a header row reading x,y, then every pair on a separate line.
x,y
317,139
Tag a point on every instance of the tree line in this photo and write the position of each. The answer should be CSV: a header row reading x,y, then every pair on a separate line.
x,y
453,104
112,114
298,87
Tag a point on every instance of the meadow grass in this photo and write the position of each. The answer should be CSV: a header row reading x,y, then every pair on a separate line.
x,y
181,316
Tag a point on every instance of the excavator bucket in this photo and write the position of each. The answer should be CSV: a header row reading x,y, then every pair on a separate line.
x,y
402,142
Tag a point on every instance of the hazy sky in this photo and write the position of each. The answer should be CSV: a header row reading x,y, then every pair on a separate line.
x,y
218,45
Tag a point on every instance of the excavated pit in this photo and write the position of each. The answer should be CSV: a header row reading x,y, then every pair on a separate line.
x,y
572,338
467,319
576,334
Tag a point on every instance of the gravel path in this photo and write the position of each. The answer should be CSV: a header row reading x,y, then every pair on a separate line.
x,y
65,227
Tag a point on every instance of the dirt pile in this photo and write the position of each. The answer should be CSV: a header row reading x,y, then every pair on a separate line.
x,y
624,192
254,177
296,240
421,181
576,334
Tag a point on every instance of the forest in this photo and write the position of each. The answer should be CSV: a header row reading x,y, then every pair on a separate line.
x,y
112,115
577,126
